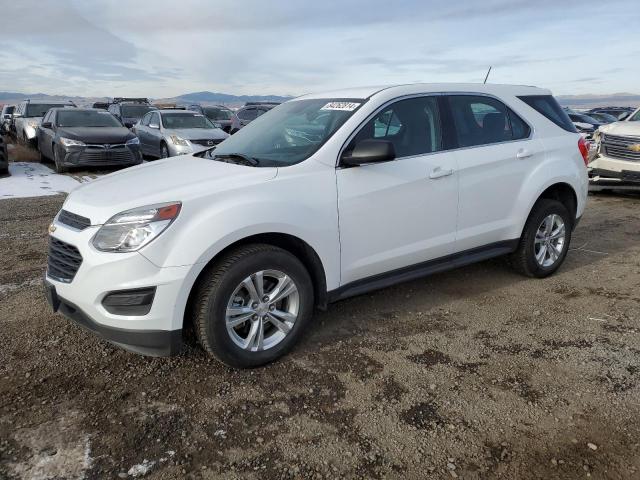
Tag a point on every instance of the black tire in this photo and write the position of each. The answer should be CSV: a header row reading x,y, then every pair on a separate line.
x,y
60,168
216,288
523,259
164,150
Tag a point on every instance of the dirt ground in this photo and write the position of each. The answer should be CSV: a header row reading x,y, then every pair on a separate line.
x,y
474,373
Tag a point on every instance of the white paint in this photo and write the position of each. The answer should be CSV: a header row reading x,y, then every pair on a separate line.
x,y
35,180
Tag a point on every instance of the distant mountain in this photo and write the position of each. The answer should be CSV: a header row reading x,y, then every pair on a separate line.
x,y
591,101
214,97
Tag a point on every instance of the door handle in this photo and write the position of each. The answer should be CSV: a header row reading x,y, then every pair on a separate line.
x,y
523,153
438,172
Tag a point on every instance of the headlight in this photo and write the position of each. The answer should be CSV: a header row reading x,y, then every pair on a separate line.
x,y
179,141
133,141
128,231
67,142
33,123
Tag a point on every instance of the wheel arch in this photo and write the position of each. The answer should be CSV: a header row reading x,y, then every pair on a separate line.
x,y
561,191
292,244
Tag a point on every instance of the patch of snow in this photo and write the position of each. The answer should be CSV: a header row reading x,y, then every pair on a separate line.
x,y
35,180
141,469
10,287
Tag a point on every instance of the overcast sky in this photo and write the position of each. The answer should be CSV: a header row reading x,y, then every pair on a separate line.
x,y
163,48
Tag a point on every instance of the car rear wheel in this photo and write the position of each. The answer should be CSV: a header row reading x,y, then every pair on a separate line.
x,y
253,306
545,239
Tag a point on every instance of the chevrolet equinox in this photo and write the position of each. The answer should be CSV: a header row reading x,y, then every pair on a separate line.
x,y
324,197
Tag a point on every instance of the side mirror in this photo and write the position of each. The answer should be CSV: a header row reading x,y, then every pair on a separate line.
x,y
46,125
370,151
154,125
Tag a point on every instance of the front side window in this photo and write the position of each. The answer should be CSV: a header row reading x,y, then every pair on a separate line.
x,y
483,120
291,132
217,113
154,119
248,114
86,118
185,120
412,125
145,119
135,111
635,117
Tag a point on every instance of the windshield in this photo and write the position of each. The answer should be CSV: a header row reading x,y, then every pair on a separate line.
x,y
578,117
217,113
135,111
39,109
291,132
185,120
86,118
635,117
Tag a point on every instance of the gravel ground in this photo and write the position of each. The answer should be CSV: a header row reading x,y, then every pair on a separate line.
x,y
474,373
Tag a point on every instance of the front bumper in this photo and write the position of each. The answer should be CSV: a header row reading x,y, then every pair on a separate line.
x,y
156,343
100,274
607,172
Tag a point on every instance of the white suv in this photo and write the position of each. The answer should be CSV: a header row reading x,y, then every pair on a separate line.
x,y
324,197
617,163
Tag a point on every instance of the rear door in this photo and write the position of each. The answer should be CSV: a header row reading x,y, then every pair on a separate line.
x,y
495,154
403,212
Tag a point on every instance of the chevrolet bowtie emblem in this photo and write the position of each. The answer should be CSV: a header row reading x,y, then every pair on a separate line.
x,y
635,147
52,228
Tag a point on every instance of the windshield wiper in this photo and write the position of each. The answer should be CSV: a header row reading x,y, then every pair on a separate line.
x,y
254,162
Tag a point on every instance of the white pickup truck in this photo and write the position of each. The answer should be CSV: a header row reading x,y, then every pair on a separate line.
x,y
617,163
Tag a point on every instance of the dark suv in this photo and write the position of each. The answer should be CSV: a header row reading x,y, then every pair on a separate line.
x,y
130,110
218,114
248,113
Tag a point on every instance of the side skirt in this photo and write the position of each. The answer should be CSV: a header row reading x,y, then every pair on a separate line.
x,y
423,269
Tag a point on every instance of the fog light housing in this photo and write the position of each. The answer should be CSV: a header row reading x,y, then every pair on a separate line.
x,y
136,302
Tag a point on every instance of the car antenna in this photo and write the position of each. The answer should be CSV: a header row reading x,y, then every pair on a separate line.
x,y
485,78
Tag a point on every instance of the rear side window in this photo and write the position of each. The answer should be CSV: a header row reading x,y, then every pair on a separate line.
x,y
483,120
548,106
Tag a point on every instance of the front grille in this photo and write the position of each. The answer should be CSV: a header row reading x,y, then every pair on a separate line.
x,y
74,221
63,261
206,142
618,147
106,154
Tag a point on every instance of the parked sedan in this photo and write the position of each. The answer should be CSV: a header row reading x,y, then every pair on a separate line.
x,y
5,118
585,124
166,133
218,114
87,137
249,113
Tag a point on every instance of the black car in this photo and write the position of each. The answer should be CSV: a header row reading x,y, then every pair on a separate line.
x,y
218,114
249,113
4,157
584,123
619,112
129,111
603,118
87,137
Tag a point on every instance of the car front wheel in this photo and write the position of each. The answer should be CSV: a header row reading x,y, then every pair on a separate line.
x,y
545,239
253,305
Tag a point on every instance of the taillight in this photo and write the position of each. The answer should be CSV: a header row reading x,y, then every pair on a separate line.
x,y
583,146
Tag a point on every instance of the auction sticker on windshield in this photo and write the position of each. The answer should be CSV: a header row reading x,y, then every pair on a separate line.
x,y
344,106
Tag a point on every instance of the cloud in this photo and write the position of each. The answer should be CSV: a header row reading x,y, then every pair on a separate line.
x,y
163,48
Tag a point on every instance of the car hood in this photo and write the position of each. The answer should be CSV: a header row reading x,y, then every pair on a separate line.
x,y
197,133
630,129
96,134
173,179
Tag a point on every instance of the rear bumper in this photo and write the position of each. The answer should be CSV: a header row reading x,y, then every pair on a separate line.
x,y
157,343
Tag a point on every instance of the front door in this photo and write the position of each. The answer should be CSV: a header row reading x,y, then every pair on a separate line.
x,y
402,212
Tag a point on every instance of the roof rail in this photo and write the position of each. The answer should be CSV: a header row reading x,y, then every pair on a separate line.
x,y
130,99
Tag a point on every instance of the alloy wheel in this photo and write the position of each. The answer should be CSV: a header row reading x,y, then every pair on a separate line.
x,y
550,240
262,310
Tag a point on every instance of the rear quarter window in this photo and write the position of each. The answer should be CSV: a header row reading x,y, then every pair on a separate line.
x,y
548,106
